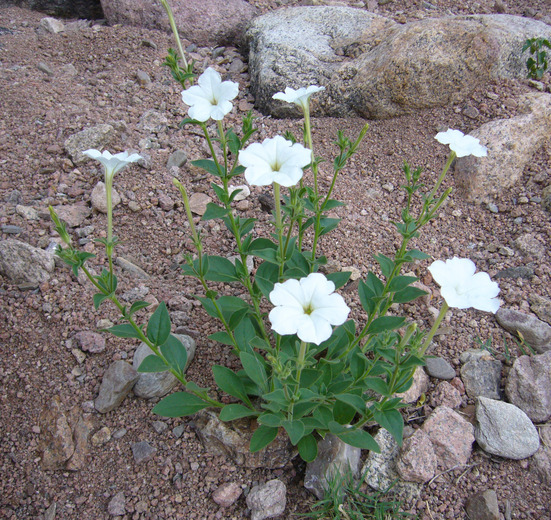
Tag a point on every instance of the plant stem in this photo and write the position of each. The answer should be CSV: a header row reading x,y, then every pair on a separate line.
x,y
172,22
432,332
451,158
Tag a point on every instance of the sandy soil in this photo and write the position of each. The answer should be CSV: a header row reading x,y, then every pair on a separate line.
x,y
39,111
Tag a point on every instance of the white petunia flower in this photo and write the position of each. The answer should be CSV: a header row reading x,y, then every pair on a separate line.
x,y
300,96
462,288
112,163
211,97
274,160
461,144
307,307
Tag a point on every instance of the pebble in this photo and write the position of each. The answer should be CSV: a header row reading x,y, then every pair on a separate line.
x,y
439,368
493,207
227,494
142,451
159,426
101,437
10,229
117,505
45,68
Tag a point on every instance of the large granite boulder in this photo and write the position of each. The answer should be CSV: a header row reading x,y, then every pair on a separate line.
x,y
376,68
87,9
204,22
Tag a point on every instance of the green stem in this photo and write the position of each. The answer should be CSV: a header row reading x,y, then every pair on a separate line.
x,y
451,158
172,22
432,332
279,226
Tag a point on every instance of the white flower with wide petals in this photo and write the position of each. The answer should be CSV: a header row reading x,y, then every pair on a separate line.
x,y
274,160
308,308
211,97
300,96
462,288
461,144
112,163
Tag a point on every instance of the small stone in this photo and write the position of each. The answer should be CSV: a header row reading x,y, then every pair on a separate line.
x,y
143,78
419,386
446,395
99,197
493,208
268,500
227,494
73,215
90,341
529,245
133,269
22,263
483,506
165,202
56,438
177,158
178,431
11,229
27,212
159,426
97,137
45,68
198,203
541,307
101,437
521,271
482,377
134,206
417,461
143,451
471,112
120,433
52,25
149,43
439,368
117,381
535,332
117,505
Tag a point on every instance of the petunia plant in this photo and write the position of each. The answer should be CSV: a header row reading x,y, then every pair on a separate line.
x,y
307,368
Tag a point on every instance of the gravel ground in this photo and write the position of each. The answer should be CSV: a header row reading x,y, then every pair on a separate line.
x,y
94,80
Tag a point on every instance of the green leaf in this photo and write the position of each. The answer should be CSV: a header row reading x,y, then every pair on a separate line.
x,y
401,282
374,284
359,439
324,416
158,327
386,263
124,331
221,337
367,298
152,363
175,353
262,436
353,400
266,276
179,404
415,254
295,430
237,317
378,385
136,306
99,298
270,419
408,294
308,448
332,204
328,225
392,421
343,413
231,412
229,382
309,376
253,364
214,211
234,143
221,270
339,279
207,165
385,323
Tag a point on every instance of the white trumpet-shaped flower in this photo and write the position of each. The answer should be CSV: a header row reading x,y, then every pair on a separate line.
x,y
462,144
299,96
274,160
462,288
308,308
211,97
112,163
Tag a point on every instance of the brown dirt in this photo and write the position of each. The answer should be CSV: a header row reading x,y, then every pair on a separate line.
x,y
40,111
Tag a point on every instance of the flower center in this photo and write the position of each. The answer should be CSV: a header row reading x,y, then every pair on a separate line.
x,y
308,309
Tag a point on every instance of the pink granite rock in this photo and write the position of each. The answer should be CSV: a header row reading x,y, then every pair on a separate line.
x,y
204,22
417,460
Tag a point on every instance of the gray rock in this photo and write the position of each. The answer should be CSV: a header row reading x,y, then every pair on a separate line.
x,y
90,341
117,505
204,22
417,460
483,506
541,461
521,271
528,244
143,451
98,137
73,215
117,382
482,377
14,197
227,494
451,435
132,268
505,430
143,78
153,121
158,384
536,333
268,500
376,68
529,386
541,307
22,263
11,229
510,148
198,203
52,25
380,469
84,9
438,367
99,197
232,440
177,158
27,212
334,457
45,68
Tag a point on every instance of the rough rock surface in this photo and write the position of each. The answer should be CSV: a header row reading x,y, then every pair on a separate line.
x,y
97,137
56,442
205,22
89,9
504,430
268,500
417,461
451,435
419,386
528,386
536,333
482,376
483,506
117,381
540,463
376,68
22,263
511,145
334,457
99,197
